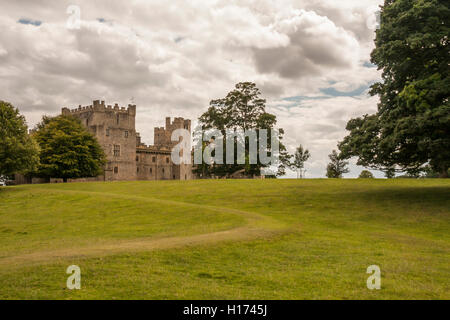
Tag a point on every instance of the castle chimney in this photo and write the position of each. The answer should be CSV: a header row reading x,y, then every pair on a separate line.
x,y
167,122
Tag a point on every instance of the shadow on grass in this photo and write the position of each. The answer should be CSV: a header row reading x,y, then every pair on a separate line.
x,y
430,196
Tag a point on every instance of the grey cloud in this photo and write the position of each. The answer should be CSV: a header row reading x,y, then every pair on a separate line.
x,y
288,62
316,46
134,53
269,89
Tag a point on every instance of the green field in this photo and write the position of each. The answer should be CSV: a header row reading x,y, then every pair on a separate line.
x,y
227,239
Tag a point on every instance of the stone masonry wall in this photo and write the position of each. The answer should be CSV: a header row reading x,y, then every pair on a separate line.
x,y
127,157
114,128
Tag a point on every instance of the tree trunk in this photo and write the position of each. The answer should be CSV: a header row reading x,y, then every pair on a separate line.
x,y
444,173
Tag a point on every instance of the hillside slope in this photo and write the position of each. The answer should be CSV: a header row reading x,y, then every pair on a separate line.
x,y
227,239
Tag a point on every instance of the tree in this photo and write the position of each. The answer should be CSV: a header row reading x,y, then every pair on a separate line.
x,y
242,109
412,126
337,167
366,174
300,157
389,173
68,150
428,172
18,151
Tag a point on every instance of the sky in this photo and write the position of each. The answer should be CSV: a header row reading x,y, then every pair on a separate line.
x,y
310,59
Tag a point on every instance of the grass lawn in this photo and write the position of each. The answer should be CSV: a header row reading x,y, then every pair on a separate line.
x,y
227,239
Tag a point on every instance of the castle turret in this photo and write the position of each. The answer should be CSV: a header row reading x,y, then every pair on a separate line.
x,y
114,129
132,109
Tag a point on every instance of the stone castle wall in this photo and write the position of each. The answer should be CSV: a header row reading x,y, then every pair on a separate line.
x,y
127,157
114,128
163,135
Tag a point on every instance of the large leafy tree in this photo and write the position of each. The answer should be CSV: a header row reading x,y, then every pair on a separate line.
x,y
68,150
18,151
243,109
412,126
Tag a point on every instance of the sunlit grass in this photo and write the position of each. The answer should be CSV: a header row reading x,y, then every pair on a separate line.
x,y
312,239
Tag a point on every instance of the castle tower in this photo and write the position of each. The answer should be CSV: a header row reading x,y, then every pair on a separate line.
x,y
155,162
114,128
163,135
128,158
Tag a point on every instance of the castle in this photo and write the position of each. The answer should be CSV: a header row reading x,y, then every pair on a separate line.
x,y
127,157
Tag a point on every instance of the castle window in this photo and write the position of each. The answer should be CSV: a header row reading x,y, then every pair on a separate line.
x,y
107,132
117,119
167,160
137,169
137,158
163,170
116,170
153,159
116,150
151,170
126,134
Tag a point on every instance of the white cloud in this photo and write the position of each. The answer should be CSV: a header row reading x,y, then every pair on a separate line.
x,y
174,57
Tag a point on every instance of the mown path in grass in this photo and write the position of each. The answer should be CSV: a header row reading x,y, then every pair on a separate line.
x,y
257,226
227,239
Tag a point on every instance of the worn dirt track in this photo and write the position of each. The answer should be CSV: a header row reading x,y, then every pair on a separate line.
x,y
257,226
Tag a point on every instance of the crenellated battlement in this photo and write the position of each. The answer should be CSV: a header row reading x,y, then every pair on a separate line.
x,y
162,135
99,106
128,158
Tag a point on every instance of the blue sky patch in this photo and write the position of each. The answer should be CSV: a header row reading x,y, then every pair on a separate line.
x,y
36,23
368,64
301,98
178,39
336,93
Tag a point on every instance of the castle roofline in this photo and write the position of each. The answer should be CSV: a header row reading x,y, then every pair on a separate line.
x,y
100,106
153,149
